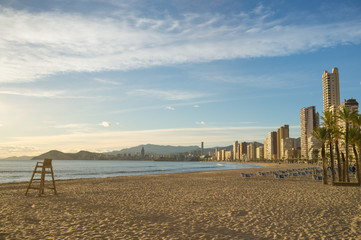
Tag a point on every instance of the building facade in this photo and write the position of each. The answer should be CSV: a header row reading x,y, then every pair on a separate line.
x,y
270,146
260,153
309,121
286,145
235,150
331,89
242,151
353,105
282,133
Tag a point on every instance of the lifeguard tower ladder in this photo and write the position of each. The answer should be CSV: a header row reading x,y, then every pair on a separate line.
x,y
41,168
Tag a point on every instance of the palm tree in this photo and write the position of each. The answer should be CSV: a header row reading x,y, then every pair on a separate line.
x,y
357,124
355,138
336,133
346,115
321,133
329,121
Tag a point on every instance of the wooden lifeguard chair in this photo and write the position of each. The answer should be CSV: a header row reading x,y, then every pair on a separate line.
x,y
42,168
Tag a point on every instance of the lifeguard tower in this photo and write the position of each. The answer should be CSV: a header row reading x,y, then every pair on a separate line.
x,y
38,177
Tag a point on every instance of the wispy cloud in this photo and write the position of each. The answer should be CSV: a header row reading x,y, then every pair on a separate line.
x,y
13,150
68,126
170,108
105,124
106,81
167,94
33,93
174,105
40,93
201,123
35,45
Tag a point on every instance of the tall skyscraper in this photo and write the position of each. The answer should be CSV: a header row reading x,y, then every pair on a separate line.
x,y
235,150
202,148
331,89
282,133
242,150
309,121
270,146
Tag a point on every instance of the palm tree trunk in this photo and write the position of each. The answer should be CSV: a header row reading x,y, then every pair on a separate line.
x,y
339,168
324,165
357,164
344,167
346,141
332,162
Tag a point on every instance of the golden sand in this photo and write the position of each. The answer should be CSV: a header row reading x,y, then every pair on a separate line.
x,y
205,205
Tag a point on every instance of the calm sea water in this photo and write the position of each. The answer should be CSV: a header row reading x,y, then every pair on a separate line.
x,y
21,171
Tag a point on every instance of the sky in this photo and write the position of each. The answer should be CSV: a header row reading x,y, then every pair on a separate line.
x,y
103,75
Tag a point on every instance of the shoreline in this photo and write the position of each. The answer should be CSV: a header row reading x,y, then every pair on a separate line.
x,y
196,205
83,175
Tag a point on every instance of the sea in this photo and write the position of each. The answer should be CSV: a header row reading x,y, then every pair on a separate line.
x,y
21,170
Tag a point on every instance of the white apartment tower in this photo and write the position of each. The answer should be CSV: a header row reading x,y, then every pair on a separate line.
x,y
309,121
235,150
331,89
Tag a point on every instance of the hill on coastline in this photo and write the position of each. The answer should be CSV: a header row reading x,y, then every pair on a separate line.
x,y
156,149
150,149
82,155
85,155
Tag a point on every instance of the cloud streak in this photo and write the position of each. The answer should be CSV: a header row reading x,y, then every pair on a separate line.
x,y
40,93
170,108
37,45
105,124
167,94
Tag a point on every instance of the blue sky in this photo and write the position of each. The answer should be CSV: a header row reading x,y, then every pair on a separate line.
x,y
102,75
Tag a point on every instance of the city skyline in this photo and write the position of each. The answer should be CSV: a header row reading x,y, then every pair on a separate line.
x,y
102,75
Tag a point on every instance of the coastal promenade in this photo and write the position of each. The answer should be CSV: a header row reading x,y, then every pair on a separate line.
x,y
202,205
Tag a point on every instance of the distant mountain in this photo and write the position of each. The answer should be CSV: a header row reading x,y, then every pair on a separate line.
x,y
82,155
19,158
157,149
150,149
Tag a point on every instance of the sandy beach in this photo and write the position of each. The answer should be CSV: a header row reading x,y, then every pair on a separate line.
x,y
204,205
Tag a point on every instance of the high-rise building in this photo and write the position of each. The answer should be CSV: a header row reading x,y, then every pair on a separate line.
x,y
286,145
350,103
282,133
243,148
260,153
309,121
223,154
228,155
251,151
202,148
218,154
239,156
331,89
235,150
270,146
353,105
